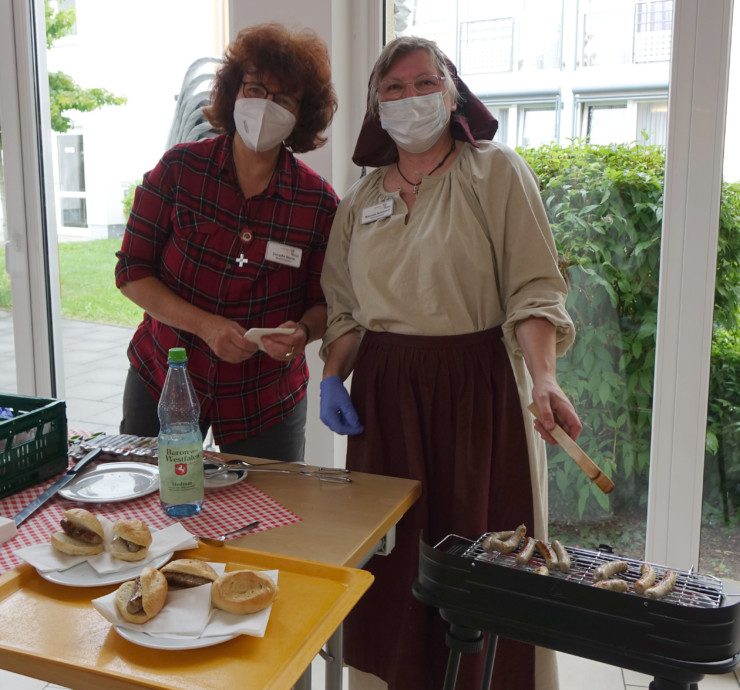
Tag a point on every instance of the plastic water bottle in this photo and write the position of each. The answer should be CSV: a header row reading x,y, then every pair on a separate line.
x,y
180,443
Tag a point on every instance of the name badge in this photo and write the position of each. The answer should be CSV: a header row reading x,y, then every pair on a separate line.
x,y
283,254
372,213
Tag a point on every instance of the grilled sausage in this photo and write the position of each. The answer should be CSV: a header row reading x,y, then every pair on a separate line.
x,y
514,540
647,580
129,545
79,532
503,536
542,570
136,600
608,570
614,585
493,541
562,555
663,587
551,559
526,553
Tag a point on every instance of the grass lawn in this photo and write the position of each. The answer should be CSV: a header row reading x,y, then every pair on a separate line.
x,y
88,287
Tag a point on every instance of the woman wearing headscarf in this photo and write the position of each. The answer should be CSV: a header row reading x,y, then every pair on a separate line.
x,y
445,301
228,234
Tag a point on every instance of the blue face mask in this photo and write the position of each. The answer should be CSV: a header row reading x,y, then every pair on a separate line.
x,y
415,123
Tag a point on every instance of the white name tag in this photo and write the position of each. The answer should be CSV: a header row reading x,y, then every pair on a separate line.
x,y
373,213
283,254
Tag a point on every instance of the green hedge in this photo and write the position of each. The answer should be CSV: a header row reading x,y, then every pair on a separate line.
x,y
605,204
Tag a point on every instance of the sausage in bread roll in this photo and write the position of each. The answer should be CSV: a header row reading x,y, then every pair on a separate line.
x,y
139,600
188,572
243,591
82,534
131,540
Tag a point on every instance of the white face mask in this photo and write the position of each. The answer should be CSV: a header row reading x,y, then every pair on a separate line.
x,y
261,123
415,123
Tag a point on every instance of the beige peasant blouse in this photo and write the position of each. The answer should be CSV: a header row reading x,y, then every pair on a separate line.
x,y
475,252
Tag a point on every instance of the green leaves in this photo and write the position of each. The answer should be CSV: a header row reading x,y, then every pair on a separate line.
x,y
64,93
605,206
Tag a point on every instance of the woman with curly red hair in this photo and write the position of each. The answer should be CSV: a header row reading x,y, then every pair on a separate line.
x,y
229,233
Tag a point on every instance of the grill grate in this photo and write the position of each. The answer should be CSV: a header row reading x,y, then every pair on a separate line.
x,y
692,589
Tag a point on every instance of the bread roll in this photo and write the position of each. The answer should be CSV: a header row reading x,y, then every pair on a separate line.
x,y
139,600
243,591
82,534
131,540
188,572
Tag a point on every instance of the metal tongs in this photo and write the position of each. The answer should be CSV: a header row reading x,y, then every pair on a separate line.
x,y
213,468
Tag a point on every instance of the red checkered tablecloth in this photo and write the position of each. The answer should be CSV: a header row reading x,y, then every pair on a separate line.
x,y
223,510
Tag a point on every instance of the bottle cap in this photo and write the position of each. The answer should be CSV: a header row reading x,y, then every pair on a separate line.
x,y
177,355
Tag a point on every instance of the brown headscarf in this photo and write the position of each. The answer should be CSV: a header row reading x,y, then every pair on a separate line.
x,y
471,121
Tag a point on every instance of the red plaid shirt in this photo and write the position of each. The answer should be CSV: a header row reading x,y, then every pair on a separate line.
x,y
191,227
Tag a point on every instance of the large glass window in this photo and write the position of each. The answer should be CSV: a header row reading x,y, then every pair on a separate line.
x,y
607,224
101,147
720,531
7,345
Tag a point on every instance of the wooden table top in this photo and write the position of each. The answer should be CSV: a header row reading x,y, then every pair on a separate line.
x,y
340,523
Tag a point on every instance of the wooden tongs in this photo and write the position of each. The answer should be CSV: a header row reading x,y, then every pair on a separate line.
x,y
589,467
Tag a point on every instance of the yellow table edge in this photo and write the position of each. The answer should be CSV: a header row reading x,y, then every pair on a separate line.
x,y
45,664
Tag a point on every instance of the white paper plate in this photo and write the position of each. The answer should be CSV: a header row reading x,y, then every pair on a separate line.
x,y
145,640
83,574
222,480
111,482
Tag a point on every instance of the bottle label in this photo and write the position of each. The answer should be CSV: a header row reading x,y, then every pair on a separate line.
x,y
180,473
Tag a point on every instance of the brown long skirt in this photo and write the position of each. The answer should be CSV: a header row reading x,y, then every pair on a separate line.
x,y
443,410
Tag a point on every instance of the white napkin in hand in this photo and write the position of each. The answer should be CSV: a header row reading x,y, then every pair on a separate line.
x,y
185,612
254,624
172,538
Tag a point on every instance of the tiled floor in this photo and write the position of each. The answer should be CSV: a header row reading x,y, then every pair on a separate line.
x,y
575,674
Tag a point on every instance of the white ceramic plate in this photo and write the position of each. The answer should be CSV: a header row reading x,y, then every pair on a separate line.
x,y
111,482
83,574
145,640
224,479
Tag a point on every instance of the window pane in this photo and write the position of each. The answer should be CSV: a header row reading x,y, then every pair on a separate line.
x,y
652,122
71,163
100,154
608,124
8,382
537,127
720,533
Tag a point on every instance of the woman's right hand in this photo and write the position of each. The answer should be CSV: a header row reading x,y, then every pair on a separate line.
x,y
226,338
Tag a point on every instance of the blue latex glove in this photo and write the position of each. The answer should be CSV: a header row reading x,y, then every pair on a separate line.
x,y
336,409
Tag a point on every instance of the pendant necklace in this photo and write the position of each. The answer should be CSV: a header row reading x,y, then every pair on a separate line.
x,y
415,185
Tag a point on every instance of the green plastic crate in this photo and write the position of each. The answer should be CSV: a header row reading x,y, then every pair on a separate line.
x,y
33,444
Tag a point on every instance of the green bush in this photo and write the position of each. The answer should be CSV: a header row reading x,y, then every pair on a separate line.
x,y
605,204
128,199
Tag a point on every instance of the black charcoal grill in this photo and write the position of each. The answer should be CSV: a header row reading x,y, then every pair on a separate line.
x,y
692,632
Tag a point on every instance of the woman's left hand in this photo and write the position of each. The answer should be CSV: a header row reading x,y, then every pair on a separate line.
x,y
285,347
554,406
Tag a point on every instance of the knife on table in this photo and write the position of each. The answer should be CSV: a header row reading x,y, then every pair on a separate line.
x,y
60,483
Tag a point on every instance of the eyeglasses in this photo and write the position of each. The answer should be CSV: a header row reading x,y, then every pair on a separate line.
x,y
424,84
253,89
